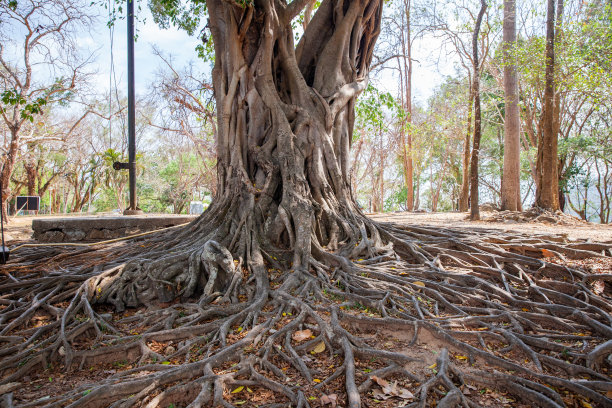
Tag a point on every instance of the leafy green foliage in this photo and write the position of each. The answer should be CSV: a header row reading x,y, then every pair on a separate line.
x,y
372,107
11,97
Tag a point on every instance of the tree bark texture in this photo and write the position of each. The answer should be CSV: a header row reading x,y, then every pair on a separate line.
x,y
474,184
465,180
547,190
511,185
285,122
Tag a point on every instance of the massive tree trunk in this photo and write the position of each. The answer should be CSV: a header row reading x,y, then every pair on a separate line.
x,y
285,122
547,190
511,184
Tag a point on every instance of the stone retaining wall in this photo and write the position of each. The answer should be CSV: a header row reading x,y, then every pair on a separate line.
x,y
76,229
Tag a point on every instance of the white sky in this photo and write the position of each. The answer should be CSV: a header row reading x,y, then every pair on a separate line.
x,y
170,42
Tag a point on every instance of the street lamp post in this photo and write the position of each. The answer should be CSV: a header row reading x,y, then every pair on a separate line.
x,y
131,164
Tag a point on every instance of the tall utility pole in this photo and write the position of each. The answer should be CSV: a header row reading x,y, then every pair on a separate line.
x,y
131,165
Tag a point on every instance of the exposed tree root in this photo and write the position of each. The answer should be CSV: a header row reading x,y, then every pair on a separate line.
x,y
500,319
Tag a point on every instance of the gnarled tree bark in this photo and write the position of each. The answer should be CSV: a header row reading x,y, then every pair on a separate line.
x,y
285,122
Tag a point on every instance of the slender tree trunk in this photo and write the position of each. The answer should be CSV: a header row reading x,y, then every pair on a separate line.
x,y
557,111
546,168
381,173
30,170
465,181
474,210
7,169
441,175
53,201
58,201
511,185
417,201
42,188
407,143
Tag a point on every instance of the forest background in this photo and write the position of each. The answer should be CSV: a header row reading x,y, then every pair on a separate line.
x,y
413,138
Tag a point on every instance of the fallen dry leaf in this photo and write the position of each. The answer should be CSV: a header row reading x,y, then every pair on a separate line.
x,y
379,395
330,399
405,394
380,381
319,348
301,335
390,390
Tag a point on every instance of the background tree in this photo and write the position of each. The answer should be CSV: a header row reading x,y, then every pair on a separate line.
x,y
511,184
455,22
474,183
47,71
547,191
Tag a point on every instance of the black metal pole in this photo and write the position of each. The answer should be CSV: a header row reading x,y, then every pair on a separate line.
x,y
131,107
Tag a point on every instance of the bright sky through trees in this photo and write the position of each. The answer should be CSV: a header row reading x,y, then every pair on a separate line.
x,y
431,64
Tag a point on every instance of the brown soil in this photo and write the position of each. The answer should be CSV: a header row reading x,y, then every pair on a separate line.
x,y
54,380
20,228
580,230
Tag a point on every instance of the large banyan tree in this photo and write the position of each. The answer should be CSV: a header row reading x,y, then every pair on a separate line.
x,y
283,292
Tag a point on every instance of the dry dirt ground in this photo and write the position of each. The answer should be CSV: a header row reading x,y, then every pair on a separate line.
x,y
577,231
40,385
20,228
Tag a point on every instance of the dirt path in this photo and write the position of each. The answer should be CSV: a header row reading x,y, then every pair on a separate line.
x,y
18,229
579,231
